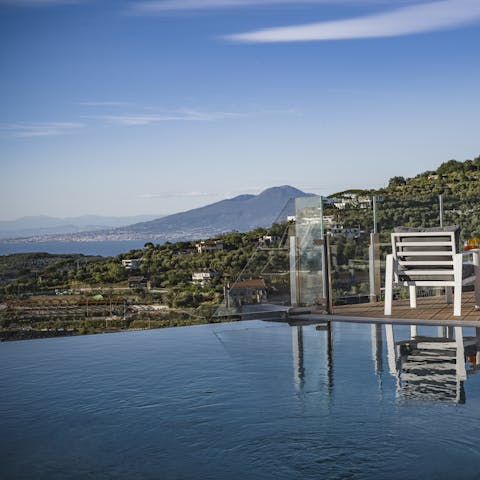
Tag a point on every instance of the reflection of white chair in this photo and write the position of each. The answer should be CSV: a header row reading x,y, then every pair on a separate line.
x,y
429,368
429,258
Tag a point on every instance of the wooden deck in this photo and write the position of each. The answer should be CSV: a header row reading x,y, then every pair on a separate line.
x,y
429,308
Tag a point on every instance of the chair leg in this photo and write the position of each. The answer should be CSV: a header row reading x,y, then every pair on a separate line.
x,y
457,301
388,285
413,296
457,289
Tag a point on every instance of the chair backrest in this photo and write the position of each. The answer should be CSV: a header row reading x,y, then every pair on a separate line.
x,y
425,254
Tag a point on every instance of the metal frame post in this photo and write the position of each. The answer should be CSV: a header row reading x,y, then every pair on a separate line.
x,y
440,201
374,266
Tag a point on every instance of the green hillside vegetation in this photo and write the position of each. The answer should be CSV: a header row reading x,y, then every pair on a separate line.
x,y
414,201
168,266
411,202
44,272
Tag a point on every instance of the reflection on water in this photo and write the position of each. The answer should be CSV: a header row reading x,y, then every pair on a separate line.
x,y
298,361
427,368
377,348
433,367
321,344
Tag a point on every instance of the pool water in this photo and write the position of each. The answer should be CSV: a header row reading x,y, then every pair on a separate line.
x,y
249,400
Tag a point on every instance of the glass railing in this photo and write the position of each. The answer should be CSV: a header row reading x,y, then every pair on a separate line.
x,y
437,211
348,223
322,252
359,230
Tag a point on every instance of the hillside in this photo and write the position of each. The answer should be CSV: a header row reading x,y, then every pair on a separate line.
x,y
414,201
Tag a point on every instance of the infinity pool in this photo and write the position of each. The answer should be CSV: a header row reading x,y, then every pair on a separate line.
x,y
249,400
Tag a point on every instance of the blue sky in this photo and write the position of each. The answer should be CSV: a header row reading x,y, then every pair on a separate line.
x,y
128,107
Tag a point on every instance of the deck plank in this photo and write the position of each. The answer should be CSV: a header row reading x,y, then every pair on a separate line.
x,y
429,308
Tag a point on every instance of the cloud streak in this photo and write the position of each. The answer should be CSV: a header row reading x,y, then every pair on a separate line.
x,y
181,116
160,6
49,129
409,20
44,129
104,104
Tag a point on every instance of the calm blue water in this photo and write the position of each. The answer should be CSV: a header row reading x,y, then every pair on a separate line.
x,y
249,400
108,248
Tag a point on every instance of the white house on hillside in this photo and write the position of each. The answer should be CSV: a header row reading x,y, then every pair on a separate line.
x,y
209,246
131,263
204,277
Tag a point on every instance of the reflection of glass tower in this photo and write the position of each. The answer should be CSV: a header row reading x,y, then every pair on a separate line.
x,y
312,349
431,368
298,361
377,347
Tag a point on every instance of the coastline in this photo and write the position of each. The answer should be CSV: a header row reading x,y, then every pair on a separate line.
x,y
103,248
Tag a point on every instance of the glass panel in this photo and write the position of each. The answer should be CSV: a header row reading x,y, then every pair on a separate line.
x,y
348,221
309,265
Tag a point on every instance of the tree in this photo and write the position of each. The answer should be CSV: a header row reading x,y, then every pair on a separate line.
x,y
451,166
396,181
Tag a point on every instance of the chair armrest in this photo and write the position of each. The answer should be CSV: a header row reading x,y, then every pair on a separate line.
x,y
473,251
475,255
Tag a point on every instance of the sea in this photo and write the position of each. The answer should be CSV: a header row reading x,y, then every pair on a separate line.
x,y
108,248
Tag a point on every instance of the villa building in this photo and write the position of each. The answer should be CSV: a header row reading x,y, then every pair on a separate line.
x,y
204,277
268,240
131,263
209,246
248,292
351,232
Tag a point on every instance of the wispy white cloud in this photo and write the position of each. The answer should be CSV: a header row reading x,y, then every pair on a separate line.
x,y
104,104
426,17
160,6
43,129
129,119
135,119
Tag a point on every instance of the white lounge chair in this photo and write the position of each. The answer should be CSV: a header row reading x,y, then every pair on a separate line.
x,y
430,258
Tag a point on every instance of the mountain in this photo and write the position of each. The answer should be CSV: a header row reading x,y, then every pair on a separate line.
x,y
45,225
241,213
